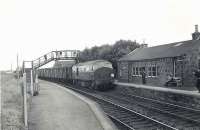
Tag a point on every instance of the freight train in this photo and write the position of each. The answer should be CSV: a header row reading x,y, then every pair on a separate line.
x,y
96,74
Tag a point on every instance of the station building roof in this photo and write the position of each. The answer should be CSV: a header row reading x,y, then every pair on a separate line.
x,y
162,51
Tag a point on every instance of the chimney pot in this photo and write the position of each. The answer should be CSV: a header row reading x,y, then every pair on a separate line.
x,y
196,34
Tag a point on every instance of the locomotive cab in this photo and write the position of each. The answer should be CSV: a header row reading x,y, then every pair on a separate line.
x,y
93,74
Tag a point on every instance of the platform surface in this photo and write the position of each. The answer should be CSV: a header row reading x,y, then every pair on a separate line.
x,y
55,109
164,89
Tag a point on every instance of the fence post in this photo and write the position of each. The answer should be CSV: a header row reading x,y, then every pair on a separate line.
x,y
31,82
25,100
36,84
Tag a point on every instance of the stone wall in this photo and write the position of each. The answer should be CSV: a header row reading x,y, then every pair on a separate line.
x,y
165,67
123,71
190,101
190,65
184,68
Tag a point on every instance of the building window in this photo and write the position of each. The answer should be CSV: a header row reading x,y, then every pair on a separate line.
x,y
137,71
133,71
158,70
142,69
149,71
153,71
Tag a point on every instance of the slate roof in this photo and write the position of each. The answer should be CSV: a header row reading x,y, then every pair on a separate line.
x,y
162,51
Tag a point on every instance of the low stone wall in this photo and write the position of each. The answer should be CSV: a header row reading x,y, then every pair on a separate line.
x,y
186,100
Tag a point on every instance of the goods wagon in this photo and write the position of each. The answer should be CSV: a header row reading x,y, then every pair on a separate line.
x,y
96,74
55,74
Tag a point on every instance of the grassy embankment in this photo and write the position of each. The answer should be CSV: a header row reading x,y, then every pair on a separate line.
x,y
12,103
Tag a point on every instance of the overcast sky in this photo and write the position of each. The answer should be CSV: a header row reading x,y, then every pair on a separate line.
x,y
35,27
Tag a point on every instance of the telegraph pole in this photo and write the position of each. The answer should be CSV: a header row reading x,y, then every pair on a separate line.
x,y
11,67
25,101
17,66
17,72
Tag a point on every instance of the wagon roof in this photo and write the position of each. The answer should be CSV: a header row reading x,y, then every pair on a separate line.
x,y
59,64
162,51
93,62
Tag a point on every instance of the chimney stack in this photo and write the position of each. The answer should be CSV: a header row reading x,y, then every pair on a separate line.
x,y
196,34
196,28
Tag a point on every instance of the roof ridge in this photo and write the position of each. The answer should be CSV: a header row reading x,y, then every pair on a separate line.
x,y
166,50
170,43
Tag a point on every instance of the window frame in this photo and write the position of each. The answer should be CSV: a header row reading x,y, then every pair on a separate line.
x,y
133,71
137,71
151,71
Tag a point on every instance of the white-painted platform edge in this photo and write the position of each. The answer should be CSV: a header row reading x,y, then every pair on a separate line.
x,y
185,92
105,122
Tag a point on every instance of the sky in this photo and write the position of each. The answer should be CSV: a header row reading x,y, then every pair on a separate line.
x,y
31,28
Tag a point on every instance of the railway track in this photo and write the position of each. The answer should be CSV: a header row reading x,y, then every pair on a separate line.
x,y
176,116
127,119
189,114
171,115
168,117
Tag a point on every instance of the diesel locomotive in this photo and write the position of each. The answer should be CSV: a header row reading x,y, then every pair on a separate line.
x,y
96,74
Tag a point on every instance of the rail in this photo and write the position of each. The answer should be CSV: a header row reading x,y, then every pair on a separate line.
x,y
173,115
130,119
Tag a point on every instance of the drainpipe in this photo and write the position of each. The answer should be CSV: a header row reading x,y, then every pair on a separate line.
x,y
174,67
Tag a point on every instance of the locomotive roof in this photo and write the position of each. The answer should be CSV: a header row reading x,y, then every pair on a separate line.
x,y
93,62
162,51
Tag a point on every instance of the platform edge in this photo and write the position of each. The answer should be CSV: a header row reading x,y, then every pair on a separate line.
x,y
105,122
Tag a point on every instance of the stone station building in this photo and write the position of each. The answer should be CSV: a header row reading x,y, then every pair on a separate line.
x,y
179,59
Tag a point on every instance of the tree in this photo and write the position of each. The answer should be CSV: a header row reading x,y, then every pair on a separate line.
x,y
109,52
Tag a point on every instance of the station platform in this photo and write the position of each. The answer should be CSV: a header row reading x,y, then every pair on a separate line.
x,y
58,108
192,92
184,98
